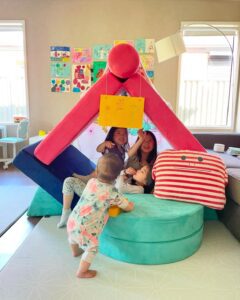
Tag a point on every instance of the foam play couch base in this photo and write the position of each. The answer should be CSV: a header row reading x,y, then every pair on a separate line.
x,y
156,232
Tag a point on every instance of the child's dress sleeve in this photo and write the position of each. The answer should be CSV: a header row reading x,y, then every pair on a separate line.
x,y
119,200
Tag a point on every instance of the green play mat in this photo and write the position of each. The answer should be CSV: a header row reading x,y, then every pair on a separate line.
x,y
156,232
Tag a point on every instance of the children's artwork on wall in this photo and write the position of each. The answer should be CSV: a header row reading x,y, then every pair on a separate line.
x,y
147,61
98,69
140,45
150,75
82,55
150,46
121,111
117,42
60,85
60,53
81,77
100,52
60,69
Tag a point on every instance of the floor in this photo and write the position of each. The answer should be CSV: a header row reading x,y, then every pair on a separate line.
x,y
44,259
43,268
15,236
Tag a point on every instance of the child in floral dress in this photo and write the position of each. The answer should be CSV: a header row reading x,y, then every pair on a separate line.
x,y
89,216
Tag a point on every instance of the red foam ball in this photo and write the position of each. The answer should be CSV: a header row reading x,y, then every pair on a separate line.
x,y
123,61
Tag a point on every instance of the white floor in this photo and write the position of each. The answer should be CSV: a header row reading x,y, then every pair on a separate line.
x,y
43,268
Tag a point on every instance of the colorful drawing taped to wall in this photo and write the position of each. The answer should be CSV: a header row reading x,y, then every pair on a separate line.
x,y
100,52
121,111
81,77
150,46
150,75
60,85
98,69
82,55
60,69
140,45
147,61
59,53
117,42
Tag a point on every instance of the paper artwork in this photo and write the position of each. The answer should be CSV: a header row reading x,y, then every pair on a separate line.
x,y
100,52
98,69
140,45
60,53
81,77
150,46
121,111
60,69
82,55
60,85
147,61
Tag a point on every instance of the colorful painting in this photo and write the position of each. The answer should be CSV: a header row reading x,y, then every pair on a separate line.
x,y
150,75
98,69
100,52
82,55
60,69
60,85
140,45
81,78
147,61
150,46
59,53
60,66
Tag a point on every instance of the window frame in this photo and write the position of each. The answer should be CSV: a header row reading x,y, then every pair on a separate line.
x,y
23,26
235,76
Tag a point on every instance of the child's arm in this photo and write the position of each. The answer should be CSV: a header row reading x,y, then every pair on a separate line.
x,y
106,144
133,150
122,202
129,207
124,186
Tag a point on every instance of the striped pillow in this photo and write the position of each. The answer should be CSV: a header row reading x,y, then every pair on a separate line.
x,y
190,176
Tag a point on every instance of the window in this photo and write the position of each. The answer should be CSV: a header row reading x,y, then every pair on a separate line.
x,y
208,76
13,95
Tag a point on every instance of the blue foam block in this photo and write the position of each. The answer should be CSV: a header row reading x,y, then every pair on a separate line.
x,y
51,177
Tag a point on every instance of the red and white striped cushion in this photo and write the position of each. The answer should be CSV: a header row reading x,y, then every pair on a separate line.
x,y
190,176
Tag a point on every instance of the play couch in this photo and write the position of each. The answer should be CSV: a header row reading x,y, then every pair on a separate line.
x,y
230,215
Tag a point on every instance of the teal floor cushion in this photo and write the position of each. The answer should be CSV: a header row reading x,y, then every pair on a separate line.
x,y
43,204
155,232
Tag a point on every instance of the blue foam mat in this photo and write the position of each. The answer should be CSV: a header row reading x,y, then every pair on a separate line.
x,y
50,177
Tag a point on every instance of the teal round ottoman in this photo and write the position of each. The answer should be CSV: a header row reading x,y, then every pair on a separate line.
x,y
155,232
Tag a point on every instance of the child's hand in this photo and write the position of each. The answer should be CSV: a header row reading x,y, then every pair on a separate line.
x,y
141,134
109,144
130,206
130,171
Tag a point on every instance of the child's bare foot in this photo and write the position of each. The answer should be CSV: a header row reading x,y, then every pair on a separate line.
x,y
87,274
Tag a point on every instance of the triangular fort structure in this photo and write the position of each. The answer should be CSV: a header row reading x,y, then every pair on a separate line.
x,y
123,71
